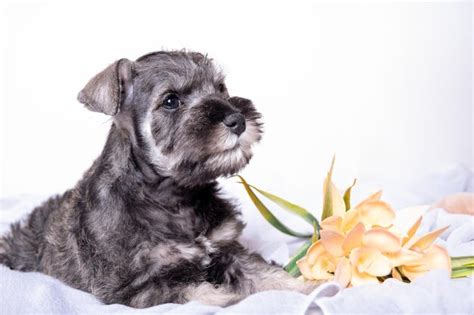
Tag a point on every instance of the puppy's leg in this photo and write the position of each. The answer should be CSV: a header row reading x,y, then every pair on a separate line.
x,y
210,294
250,273
257,275
153,293
262,277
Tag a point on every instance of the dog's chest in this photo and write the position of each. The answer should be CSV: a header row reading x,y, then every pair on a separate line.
x,y
176,223
186,230
199,250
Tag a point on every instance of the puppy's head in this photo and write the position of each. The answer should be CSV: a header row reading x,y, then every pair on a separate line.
x,y
176,108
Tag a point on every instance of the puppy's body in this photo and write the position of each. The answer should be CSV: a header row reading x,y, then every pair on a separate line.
x,y
146,224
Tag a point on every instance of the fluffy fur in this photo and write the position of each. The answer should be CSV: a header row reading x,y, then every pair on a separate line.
x,y
146,224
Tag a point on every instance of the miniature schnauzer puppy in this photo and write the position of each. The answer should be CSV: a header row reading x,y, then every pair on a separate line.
x,y
146,224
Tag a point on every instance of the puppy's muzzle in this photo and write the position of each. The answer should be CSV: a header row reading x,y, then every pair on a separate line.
x,y
235,122
219,110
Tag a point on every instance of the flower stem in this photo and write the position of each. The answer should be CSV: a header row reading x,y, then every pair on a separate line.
x,y
462,272
462,267
291,266
462,261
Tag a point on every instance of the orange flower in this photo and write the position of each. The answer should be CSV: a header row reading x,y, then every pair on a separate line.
x,y
358,247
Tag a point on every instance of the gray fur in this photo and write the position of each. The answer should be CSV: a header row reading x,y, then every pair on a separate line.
x,y
146,223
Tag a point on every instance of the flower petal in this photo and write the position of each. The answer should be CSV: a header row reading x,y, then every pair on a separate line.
x,y
360,278
436,257
318,264
373,262
324,267
343,272
354,256
332,242
382,240
350,220
353,239
332,223
333,199
333,203
404,257
374,197
320,273
376,213
426,240
305,268
412,231
328,262
314,251
412,272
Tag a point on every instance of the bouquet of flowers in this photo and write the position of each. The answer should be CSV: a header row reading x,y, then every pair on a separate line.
x,y
359,244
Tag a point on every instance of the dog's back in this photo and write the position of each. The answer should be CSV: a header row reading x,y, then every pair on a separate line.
x,y
47,241
23,246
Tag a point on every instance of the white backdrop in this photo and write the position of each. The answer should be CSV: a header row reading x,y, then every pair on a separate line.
x,y
388,87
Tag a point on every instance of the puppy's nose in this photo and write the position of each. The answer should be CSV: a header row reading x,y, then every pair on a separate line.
x,y
235,122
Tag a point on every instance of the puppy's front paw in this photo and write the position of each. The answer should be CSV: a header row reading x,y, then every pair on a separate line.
x,y
308,286
209,294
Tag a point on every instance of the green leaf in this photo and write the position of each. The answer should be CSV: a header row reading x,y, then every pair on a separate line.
x,y
347,195
316,236
462,272
462,261
291,266
291,207
268,215
333,203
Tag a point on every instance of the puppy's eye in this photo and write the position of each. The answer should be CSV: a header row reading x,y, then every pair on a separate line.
x,y
222,88
171,101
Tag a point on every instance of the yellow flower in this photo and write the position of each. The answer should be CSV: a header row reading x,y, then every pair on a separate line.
x,y
358,247
432,256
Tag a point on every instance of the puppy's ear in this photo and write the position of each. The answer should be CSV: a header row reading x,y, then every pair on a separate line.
x,y
107,90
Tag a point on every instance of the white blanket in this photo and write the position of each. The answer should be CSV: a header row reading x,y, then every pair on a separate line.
x,y
35,293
